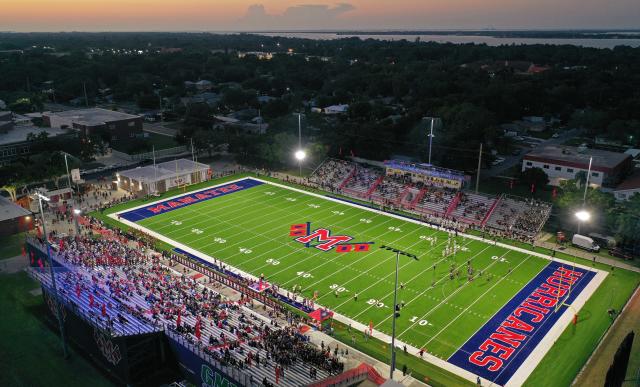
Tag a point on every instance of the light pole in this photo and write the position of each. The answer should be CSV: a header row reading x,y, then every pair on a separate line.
x,y
76,211
395,305
430,135
300,154
53,277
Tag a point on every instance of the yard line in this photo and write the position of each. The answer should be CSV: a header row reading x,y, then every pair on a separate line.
x,y
316,254
476,300
363,257
383,278
444,300
207,220
358,213
427,269
234,203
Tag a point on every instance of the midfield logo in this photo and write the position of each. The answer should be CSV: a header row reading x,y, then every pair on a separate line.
x,y
326,241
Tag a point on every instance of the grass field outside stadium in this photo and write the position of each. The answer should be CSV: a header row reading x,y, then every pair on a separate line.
x,y
250,229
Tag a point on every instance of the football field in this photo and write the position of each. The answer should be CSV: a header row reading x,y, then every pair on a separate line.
x,y
331,248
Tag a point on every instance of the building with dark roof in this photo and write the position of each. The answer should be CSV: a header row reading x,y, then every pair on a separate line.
x,y
13,218
121,127
561,162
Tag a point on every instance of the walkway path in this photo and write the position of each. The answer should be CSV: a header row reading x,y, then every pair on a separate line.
x,y
542,242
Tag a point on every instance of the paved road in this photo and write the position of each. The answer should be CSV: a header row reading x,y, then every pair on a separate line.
x,y
516,160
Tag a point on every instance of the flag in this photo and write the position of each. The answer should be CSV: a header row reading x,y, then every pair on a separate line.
x,y
554,193
370,326
533,188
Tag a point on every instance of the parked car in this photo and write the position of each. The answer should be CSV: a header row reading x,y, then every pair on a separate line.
x,y
618,252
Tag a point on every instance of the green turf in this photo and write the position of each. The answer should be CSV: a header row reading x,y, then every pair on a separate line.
x,y
561,364
250,230
30,351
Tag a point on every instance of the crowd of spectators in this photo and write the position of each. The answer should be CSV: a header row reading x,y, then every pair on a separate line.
x,y
132,284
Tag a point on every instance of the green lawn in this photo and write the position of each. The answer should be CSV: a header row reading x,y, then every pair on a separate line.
x,y
11,245
30,351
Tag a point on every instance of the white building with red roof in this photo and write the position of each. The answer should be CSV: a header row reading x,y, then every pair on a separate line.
x,y
561,163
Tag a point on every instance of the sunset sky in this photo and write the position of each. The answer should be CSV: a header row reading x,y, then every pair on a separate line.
x,y
246,15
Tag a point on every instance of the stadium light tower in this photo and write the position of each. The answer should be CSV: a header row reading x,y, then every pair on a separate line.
x,y
300,153
53,278
395,305
76,211
430,135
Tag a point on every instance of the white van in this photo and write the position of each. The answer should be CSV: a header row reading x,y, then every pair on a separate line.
x,y
584,242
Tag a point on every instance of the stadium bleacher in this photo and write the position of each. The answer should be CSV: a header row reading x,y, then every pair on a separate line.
x,y
515,216
132,293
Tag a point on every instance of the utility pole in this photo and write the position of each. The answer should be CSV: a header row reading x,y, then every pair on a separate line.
x,y
586,183
430,139
75,209
479,166
84,88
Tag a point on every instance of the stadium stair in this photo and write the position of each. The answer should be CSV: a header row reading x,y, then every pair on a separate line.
x,y
404,193
491,209
351,175
417,199
374,186
453,204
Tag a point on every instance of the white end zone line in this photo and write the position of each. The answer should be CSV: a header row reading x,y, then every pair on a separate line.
x,y
518,378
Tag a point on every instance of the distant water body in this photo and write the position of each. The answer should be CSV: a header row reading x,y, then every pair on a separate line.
x,y
463,39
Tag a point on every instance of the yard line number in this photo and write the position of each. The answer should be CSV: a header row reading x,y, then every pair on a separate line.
x,y
422,323
376,303
338,288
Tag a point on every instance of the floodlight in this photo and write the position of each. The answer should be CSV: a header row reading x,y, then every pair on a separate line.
x,y
300,155
583,216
